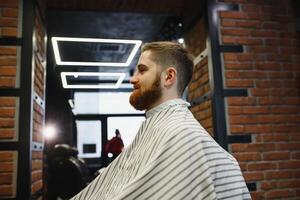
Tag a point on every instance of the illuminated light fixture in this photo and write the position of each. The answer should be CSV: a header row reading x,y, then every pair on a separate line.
x,y
71,103
64,75
181,40
137,44
110,155
50,131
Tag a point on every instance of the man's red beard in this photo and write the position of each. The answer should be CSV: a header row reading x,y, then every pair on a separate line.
x,y
142,100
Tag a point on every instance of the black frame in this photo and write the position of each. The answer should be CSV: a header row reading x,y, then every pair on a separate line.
x,y
219,93
26,103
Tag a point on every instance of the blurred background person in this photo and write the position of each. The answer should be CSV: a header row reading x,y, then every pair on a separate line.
x,y
115,145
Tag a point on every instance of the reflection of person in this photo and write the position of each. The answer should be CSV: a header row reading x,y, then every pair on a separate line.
x,y
172,156
115,145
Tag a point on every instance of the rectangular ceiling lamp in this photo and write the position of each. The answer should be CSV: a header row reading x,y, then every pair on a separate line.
x,y
75,75
55,40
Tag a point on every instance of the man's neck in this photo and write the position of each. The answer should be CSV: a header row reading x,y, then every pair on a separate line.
x,y
162,100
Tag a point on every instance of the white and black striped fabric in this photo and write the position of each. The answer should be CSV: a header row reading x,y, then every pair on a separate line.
x,y
171,157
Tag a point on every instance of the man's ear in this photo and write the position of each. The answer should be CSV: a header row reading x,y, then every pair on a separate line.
x,y
170,76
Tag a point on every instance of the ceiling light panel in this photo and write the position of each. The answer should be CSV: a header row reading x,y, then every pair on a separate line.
x,y
100,45
91,80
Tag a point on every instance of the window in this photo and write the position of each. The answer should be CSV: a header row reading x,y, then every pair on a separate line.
x,y
128,127
89,138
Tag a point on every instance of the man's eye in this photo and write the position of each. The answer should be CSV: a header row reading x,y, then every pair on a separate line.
x,y
142,70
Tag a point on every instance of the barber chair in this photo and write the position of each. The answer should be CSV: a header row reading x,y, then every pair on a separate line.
x,y
67,174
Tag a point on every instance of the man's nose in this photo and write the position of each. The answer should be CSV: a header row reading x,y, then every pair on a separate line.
x,y
133,79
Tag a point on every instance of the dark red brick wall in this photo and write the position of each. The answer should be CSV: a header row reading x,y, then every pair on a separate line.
x,y
8,168
8,159
9,13
9,18
8,66
8,54
7,118
38,107
195,41
9,106
269,69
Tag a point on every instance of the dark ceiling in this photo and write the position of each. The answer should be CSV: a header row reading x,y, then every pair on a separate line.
x,y
176,7
146,20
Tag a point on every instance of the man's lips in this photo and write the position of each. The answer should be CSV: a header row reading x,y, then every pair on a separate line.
x,y
135,87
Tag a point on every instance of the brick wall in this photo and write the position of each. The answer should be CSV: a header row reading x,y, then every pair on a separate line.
x,y
8,167
10,65
8,116
9,13
8,159
38,105
9,18
269,69
195,41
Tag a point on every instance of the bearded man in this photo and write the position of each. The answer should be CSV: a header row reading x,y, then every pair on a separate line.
x,y
172,156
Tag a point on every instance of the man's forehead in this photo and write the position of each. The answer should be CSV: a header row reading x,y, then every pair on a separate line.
x,y
146,60
145,55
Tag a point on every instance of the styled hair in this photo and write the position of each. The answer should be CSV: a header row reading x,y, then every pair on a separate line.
x,y
170,54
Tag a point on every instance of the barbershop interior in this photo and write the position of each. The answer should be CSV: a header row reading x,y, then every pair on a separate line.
x,y
65,70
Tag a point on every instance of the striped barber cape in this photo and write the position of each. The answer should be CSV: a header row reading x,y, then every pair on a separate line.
x,y
171,157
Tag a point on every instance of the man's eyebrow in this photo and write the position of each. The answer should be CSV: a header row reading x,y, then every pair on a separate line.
x,y
139,66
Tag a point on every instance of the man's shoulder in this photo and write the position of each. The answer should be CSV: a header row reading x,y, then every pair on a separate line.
x,y
175,125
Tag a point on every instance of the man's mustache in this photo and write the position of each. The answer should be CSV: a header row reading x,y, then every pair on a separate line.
x,y
136,86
